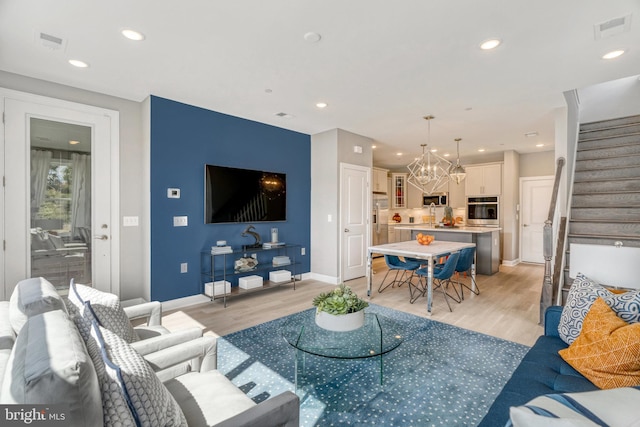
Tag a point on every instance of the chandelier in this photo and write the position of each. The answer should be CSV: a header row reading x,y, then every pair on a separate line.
x,y
457,172
429,172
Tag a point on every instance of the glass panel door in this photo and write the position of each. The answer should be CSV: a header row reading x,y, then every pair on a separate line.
x,y
60,191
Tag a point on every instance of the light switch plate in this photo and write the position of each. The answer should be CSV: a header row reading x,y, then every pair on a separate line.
x,y
180,221
129,221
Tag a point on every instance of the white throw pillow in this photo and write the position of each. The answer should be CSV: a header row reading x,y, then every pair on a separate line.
x,y
614,407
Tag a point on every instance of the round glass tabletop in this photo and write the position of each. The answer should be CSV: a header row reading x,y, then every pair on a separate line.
x,y
378,336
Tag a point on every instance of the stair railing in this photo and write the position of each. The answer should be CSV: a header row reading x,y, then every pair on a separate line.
x,y
546,299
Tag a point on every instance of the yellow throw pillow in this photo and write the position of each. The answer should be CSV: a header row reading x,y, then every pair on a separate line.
x,y
607,351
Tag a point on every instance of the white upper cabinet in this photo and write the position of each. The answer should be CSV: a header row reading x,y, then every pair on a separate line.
x,y
483,180
379,180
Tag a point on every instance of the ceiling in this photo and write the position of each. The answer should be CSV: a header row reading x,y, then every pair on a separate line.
x,y
379,65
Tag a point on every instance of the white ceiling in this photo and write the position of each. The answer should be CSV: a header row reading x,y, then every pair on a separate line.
x,y
380,65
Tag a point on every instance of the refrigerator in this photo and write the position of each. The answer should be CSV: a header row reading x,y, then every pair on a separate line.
x,y
380,220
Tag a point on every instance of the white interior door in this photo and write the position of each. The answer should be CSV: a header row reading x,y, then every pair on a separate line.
x,y
535,196
354,219
60,199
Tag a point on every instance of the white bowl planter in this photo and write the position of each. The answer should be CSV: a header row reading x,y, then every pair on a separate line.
x,y
340,322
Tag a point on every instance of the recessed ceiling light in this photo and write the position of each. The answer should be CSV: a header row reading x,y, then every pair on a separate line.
x,y
434,150
539,145
398,154
132,35
321,105
74,142
481,150
490,44
78,63
374,146
613,54
446,154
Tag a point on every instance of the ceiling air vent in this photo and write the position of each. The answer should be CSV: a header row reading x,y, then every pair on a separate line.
x,y
612,27
284,115
50,41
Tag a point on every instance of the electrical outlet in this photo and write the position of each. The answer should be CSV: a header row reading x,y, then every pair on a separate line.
x,y
184,267
303,251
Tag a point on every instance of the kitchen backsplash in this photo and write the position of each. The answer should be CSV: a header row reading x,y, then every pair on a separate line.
x,y
418,215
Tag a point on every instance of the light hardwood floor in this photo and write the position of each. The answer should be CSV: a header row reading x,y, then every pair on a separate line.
x,y
507,306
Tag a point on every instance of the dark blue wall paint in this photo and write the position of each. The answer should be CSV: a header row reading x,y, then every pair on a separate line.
x,y
183,139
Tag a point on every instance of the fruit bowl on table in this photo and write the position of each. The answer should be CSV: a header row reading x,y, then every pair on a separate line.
x,y
425,239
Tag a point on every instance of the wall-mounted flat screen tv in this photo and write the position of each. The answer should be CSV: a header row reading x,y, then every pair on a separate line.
x,y
244,195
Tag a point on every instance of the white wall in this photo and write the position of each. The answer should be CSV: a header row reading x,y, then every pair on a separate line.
x,y
537,164
328,150
610,100
132,197
509,200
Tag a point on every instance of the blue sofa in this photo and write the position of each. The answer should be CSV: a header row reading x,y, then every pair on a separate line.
x,y
542,371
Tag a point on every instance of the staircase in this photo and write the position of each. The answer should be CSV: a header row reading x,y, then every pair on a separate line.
x,y
605,204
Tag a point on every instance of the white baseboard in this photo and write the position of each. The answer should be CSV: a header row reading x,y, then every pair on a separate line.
x,y
333,280
184,302
511,263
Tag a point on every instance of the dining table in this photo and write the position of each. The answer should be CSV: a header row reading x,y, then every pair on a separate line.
x,y
412,249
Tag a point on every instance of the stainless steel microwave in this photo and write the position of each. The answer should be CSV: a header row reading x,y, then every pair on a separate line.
x,y
438,199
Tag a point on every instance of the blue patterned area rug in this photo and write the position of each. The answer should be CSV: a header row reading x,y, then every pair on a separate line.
x,y
441,375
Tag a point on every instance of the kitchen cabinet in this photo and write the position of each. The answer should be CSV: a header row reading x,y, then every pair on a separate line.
x,y
392,233
414,197
456,194
399,190
379,180
483,180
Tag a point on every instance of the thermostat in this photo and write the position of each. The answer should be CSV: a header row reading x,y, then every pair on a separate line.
x,y
173,193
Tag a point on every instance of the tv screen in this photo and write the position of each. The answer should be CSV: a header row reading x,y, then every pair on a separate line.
x,y
244,195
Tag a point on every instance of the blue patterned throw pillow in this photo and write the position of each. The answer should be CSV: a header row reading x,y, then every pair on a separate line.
x,y
582,295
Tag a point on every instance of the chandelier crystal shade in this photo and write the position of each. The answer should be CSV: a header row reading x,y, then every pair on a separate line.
x,y
429,172
457,172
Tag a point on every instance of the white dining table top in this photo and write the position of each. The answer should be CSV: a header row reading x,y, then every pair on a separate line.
x,y
412,248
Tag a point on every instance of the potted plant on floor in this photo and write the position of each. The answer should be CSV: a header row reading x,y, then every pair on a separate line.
x,y
340,309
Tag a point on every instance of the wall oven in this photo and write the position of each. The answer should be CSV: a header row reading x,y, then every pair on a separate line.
x,y
438,199
483,210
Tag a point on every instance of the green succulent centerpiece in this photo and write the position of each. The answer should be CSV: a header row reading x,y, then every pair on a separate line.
x,y
336,309
341,300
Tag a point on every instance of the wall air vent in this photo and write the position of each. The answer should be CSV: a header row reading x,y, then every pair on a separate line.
x,y
50,41
612,27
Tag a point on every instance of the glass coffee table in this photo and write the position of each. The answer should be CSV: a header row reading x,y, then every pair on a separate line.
x,y
378,336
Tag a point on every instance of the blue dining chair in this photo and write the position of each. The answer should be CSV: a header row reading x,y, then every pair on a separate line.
x,y
441,280
401,268
464,266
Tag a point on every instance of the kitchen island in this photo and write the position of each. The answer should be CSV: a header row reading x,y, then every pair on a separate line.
x,y
487,240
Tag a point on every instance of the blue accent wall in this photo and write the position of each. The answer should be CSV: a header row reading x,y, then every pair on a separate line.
x,y
183,139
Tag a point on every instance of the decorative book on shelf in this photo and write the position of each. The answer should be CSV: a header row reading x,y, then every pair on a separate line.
x,y
271,245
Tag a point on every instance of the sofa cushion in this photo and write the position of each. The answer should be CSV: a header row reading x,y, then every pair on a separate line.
x,y
207,398
30,297
49,363
607,351
106,307
152,403
582,294
616,407
542,371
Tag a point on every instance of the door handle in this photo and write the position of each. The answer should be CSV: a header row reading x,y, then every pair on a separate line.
x,y
346,230
525,225
101,237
